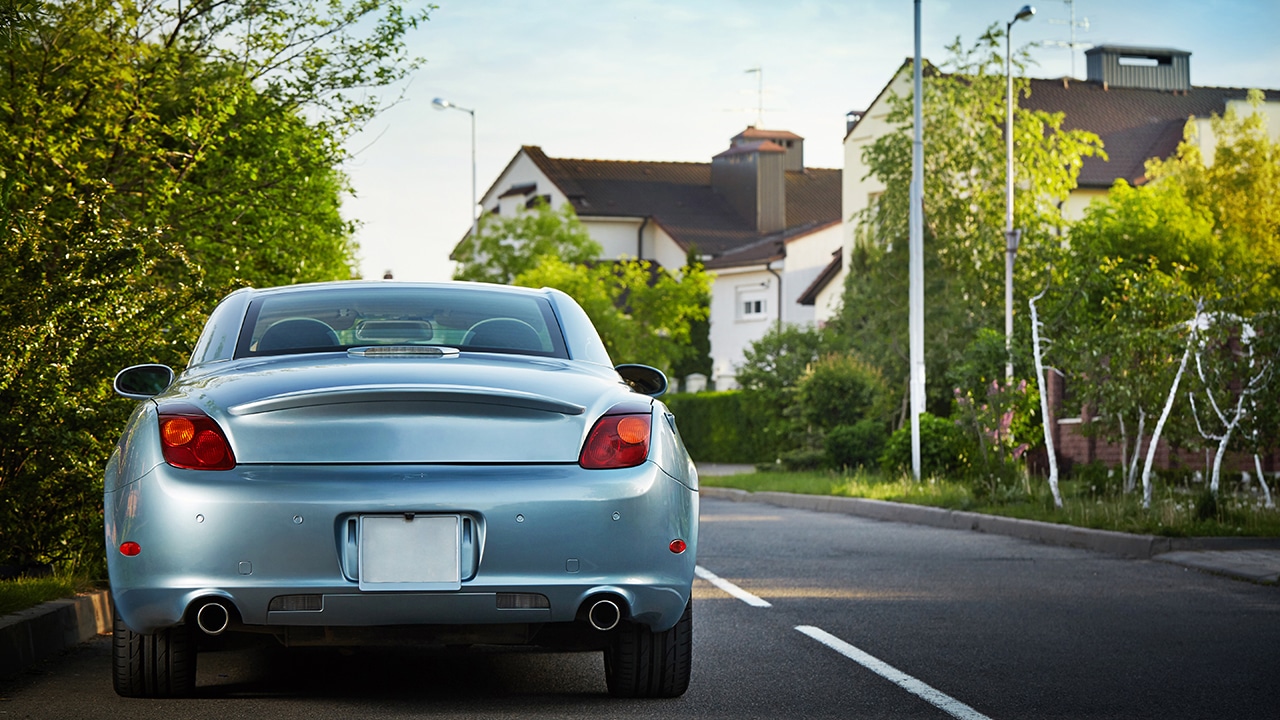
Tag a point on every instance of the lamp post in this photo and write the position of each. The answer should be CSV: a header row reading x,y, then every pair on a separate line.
x,y
1011,236
442,104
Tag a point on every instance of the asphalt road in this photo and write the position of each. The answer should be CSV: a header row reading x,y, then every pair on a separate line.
x,y
848,617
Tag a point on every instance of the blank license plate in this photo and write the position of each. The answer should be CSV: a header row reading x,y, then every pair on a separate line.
x,y
410,552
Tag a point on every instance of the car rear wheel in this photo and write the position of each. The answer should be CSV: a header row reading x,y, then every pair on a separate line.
x,y
640,663
162,664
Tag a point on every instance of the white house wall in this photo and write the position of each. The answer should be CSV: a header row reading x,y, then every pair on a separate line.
x,y
731,329
856,189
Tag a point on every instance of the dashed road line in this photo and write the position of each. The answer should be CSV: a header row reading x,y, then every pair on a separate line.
x,y
730,588
935,697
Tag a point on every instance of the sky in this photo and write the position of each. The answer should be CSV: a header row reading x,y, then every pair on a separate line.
x,y
668,80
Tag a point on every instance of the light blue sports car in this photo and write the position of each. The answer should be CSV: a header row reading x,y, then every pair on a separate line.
x,y
368,463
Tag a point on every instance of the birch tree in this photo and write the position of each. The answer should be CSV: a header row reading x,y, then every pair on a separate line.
x,y
1046,417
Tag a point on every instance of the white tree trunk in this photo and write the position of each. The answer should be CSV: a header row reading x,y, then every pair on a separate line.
x,y
1266,491
1046,420
1164,414
1131,475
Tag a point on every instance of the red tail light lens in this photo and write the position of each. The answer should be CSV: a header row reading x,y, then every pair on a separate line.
x,y
617,441
191,440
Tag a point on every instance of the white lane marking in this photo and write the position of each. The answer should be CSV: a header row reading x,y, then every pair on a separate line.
x,y
937,698
729,587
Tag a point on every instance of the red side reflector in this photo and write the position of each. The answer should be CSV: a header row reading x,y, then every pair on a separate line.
x,y
678,546
130,549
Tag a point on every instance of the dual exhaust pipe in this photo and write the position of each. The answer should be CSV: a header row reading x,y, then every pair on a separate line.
x,y
213,617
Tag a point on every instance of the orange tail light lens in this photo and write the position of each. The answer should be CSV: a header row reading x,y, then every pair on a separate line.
x,y
191,440
617,441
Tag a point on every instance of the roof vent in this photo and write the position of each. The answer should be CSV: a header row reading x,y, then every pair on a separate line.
x,y
1117,66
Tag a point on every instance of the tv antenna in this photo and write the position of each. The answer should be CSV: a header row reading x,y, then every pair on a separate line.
x,y
1072,45
759,71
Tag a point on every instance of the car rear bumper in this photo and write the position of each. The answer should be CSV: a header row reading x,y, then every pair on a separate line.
x,y
258,534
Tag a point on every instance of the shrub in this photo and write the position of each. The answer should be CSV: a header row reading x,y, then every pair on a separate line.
x,y
857,445
943,448
722,426
840,389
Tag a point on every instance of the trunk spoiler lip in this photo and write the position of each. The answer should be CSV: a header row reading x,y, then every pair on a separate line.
x,y
407,393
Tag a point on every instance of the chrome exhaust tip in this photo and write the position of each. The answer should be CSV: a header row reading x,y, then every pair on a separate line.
x,y
604,615
213,618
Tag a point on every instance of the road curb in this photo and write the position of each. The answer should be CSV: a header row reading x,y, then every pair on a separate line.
x,y
44,631
1127,545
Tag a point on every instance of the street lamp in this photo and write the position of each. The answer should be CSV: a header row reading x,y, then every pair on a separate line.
x,y
442,104
1011,236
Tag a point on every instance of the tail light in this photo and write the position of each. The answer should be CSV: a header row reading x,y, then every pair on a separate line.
x,y
617,441
190,439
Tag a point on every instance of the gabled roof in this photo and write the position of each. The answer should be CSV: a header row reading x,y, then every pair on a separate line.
x,y
1134,124
678,196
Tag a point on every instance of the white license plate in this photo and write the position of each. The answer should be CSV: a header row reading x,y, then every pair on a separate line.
x,y
410,552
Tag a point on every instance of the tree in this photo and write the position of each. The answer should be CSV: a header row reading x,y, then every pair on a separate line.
x,y
153,156
507,247
193,114
643,313
81,301
964,185
1239,189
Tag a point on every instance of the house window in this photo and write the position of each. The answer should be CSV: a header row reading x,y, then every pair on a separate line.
x,y
753,302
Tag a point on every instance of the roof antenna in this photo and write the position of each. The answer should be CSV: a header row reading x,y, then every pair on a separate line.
x,y
1072,46
759,71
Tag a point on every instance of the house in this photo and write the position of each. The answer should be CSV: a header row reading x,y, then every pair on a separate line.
x,y
1137,100
762,222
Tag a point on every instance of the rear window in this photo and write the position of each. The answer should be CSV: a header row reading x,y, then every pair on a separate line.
x,y
337,319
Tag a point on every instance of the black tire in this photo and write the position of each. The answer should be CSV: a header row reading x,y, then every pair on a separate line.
x,y
640,663
153,666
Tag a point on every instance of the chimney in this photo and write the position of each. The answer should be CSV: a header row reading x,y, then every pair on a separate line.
x,y
1141,68
751,175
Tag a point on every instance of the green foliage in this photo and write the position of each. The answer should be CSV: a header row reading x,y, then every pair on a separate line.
x,y
722,427
642,312
508,247
193,114
857,445
82,301
1002,424
964,183
152,157
944,450
840,389
770,373
1239,190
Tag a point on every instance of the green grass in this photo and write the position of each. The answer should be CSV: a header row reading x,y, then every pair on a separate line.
x,y
25,592
1175,510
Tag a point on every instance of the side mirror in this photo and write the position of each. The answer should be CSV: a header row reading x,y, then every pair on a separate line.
x,y
143,381
644,379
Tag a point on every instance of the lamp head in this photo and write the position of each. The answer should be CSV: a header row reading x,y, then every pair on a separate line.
x,y
441,104
1025,13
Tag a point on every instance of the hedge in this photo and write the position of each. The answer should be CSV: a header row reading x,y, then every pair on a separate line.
x,y
722,427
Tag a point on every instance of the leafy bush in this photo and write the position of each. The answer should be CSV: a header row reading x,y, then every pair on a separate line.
x,y
857,445
722,426
840,389
943,448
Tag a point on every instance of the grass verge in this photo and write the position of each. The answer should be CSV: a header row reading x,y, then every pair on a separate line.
x,y
26,592
1176,510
